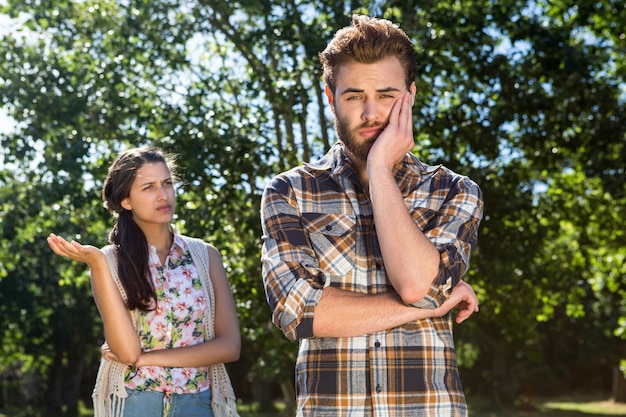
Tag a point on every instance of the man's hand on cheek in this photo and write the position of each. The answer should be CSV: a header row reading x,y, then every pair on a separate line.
x,y
397,137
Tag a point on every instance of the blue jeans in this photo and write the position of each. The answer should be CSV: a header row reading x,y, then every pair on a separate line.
x,y
150,404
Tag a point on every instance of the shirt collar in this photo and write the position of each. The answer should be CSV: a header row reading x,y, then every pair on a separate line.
x,y
178,241
410,165
337,163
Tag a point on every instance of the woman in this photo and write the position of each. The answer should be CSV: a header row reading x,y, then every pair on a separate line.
x,y
169,317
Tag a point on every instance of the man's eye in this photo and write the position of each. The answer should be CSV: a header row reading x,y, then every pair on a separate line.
x,y
351,98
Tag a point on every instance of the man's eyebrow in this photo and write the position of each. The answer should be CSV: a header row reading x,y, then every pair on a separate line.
x,y
380,90
389,89
350,90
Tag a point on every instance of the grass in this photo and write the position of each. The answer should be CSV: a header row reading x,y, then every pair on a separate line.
x,y
593,405
585,406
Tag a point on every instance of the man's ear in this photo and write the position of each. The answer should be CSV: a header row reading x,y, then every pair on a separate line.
x,y
412,90
331,98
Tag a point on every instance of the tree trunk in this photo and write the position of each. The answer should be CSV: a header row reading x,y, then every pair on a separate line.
x,y
261,393
289,397
619,385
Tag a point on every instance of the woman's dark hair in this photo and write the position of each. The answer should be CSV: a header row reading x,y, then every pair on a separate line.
x,y
368,41
126,237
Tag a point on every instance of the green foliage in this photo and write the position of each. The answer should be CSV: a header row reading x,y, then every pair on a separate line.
x,y
527,98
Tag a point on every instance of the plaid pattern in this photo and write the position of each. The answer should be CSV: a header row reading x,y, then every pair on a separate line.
x,y
318,230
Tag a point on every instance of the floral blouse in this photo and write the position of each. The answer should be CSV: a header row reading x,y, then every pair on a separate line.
x,y
177,321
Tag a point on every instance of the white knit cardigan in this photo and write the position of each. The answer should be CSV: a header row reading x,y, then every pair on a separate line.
x,y
109,392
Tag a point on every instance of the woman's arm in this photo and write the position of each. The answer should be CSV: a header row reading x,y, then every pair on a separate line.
x,y
226,345
119,332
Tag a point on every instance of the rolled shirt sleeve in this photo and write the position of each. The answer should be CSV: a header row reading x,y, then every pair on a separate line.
x,y
291,275
448,208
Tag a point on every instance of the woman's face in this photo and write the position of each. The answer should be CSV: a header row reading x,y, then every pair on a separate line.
x,y
152,196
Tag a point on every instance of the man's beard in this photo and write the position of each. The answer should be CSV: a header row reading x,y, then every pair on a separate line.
x,y
349,138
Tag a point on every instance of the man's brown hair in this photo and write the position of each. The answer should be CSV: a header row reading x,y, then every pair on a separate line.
x,y
368,41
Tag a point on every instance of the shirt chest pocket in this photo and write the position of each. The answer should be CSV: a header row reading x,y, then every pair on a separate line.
x,y
332,237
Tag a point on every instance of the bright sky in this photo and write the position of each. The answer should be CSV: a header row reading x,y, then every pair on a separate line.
x,y
6,123
7,24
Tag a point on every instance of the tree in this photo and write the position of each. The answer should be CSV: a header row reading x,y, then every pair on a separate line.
x,y
524,97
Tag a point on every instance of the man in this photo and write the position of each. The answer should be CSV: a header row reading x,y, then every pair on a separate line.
x,y
364,250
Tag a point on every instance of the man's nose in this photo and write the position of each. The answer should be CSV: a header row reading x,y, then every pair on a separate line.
x,y
371,110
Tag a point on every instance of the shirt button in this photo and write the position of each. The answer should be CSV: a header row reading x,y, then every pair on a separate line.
x,y
378,388
329,227
377,344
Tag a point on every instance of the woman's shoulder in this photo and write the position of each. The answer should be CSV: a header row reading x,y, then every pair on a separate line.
x,y
200,242
108,250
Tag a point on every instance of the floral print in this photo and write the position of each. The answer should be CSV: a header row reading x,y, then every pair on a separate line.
x,y
177,321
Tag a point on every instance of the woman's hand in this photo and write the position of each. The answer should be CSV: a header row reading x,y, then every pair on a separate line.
x,y
107,354
87,254
118,326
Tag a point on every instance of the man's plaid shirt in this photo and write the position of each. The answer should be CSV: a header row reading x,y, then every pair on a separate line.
x,y
318,230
